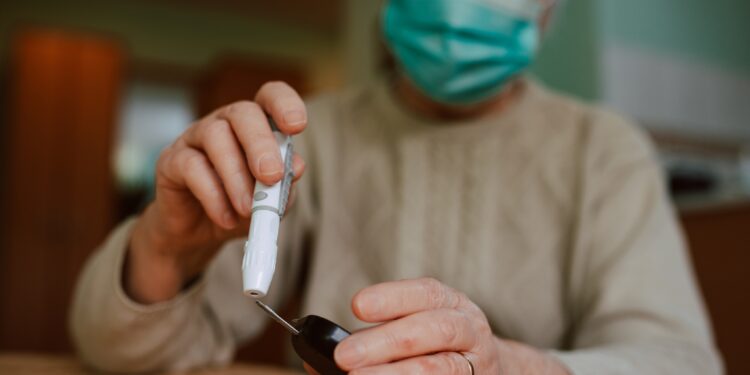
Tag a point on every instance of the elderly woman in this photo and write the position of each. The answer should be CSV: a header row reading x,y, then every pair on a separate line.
x,y
462,217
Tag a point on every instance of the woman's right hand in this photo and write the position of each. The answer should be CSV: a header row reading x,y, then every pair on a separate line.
x,y
204,189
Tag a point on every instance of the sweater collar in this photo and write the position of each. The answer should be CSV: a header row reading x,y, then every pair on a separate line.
x,y
394,111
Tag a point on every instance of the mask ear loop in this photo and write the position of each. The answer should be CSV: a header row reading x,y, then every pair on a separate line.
x,y
546,4
527,9
548,15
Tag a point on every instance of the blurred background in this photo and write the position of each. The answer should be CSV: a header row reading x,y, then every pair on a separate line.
x,y
91,91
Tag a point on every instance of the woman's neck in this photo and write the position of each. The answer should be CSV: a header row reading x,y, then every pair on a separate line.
x,y
418,102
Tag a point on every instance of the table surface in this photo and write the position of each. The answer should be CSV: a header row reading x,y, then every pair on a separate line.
x,y
42,364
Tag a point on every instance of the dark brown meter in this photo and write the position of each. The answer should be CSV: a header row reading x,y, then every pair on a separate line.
x,y
314,339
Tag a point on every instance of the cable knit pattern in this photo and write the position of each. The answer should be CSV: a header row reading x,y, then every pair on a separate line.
x,y
552,217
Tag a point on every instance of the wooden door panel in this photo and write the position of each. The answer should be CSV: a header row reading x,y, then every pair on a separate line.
x,y
59,194
719,240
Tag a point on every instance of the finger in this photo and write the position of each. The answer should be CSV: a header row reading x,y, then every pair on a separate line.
x,y
392,300
422,333
285,106
292,196
251,127
218,141
239,230
309,369
190,168
448,363
298,166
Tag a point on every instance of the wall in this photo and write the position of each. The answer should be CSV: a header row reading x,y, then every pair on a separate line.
x,y
680,66
569,60
715,32
170,33
621,53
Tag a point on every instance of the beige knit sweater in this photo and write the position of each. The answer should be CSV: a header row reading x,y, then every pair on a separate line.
x,y
551,217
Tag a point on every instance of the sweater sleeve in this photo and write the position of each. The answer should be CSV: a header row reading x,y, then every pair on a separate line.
x,y
203,325
114,333
635,305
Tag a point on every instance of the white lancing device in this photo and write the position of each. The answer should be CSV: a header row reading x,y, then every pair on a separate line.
x,y
269,203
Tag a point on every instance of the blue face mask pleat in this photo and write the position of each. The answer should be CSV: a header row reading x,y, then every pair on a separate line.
x,y
459,52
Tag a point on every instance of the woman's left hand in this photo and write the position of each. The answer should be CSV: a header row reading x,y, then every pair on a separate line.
x,y
427,328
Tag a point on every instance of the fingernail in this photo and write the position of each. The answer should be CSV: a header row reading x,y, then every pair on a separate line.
x,y
294,118
269,165
349,353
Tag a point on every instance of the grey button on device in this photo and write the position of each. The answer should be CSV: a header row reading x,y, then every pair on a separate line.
x,y
261,195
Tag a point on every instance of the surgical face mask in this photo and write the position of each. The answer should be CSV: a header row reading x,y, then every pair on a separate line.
x,y
462,51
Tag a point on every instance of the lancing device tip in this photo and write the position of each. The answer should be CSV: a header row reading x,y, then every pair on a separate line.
x,y
289,327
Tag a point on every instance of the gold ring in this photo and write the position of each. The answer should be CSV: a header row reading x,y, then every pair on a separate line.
x,y
471,364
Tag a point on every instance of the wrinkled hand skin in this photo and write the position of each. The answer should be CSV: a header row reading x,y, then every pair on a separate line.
x,y
426,327
204,186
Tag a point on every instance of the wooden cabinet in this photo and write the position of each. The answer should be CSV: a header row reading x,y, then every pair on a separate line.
x,y
719,240
58,192
231,79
